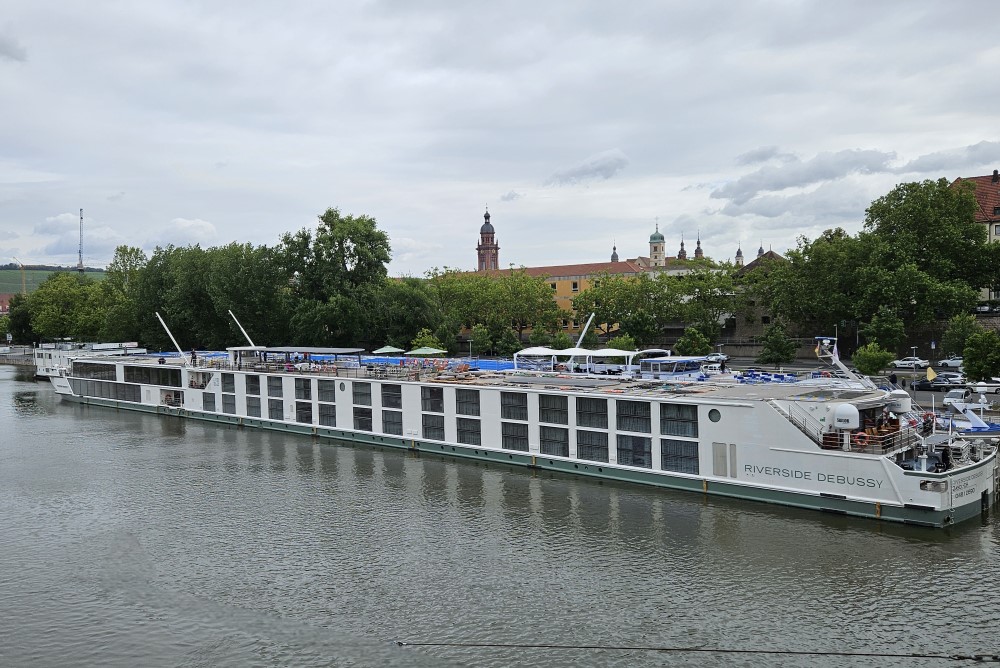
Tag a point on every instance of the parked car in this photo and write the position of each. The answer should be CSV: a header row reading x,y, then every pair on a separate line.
x,y
951,361
939,384
923,385
717,357
962,395
911,363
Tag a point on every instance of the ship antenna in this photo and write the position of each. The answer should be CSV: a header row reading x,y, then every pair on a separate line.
x,y
79,263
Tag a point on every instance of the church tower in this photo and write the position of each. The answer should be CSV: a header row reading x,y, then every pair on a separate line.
x,y
682,254
739,255
656,254
614,253
698,252
487,250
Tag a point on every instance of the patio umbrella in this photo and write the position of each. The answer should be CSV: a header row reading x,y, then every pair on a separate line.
x,y
426,351
387,350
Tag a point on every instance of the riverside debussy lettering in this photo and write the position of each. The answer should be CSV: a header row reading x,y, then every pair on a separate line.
x,y
835,478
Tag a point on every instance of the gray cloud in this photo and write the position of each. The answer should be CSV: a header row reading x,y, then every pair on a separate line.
x,y
983,153
11,49
796,173
601,166
510,196
763,154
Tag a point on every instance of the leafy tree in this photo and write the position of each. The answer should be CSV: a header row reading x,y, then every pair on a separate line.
x,y
539,337
524,301
396,310
707,296
886,329
19,322
982,355
622,342
777,347
694,342
561,341
960,328
482,342
871,358
63,307
426,339
507,344
120,288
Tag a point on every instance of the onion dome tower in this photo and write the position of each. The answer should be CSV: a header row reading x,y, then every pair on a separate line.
x,y
487,250
698,252
614,253
656,256
682,254
760,251
739,256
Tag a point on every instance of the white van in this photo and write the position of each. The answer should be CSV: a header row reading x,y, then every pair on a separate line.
x,y
961,395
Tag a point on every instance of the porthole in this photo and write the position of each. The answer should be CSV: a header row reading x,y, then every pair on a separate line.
x,y
714,415
343,387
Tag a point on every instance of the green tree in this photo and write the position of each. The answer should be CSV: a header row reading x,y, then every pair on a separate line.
x,y
482,342
960,328
539,337
871,358
66,305
120,287
777,347
425,339
19,315
561,341
886,328
4,327
982,356
622,342
694,342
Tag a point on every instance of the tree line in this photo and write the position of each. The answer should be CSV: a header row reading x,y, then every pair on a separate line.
x,y
919,260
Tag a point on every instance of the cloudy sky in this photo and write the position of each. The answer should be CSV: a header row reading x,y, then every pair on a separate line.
x,y
581,124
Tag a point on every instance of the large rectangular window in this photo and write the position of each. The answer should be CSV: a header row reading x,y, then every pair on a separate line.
x,y
592,445
150,375
253,406
633,416
303,388
253,384
208,401
229,404
433,426
514,406
328,415
514,436
362,394
679,420
592,413
304,412
392,422
679,456
228,382
432,399
274,386
362,419
276,409
635,451
97,371
467,402
553,408
553,441
469,431
392,396
327,390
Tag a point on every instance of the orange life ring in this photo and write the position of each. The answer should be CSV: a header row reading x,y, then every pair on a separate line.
x,y
826,374
928,415
861,438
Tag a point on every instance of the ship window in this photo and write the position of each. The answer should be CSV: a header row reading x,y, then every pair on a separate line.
x,y
469,431
467,402
229,404
362,419
553,441
276,409
392,397
635,451
392,422
303,388
720,460
678,456
433,426
514,406
304,412
592,445
714,415
514,436
228,382
328,415
362,394
253,384
274,386
679,420
208,401
153,375
432,399
553,408
253,406
327,390
95,371
592,412
633,416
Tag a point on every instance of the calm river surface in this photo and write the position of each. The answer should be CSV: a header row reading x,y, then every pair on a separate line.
x,y
132,540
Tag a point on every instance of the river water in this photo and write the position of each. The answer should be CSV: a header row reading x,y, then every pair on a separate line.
x,y
128,539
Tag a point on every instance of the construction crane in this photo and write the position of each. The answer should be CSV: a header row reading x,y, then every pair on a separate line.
x,y
24,289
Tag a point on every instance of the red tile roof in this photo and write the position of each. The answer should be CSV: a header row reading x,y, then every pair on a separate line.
x,y
987,196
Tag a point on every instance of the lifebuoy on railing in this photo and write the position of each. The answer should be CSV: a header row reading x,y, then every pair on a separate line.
x,y
928,415
826,374
861,438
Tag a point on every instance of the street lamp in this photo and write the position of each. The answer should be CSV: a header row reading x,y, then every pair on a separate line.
x,y
914,349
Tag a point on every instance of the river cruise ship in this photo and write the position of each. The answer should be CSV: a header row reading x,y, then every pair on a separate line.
x,y
828,441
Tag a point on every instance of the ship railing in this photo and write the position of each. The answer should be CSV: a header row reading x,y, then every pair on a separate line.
x,y
806,423
874,441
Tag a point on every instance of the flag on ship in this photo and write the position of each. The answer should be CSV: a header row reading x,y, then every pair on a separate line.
x,y
836,353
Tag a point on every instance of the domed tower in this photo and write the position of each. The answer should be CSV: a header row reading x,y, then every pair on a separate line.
x,y
487,250
682,254
614,253
739,256
698,252
656,256
760,251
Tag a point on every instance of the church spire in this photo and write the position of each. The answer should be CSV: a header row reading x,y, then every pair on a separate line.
x,y
614,253
698,252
